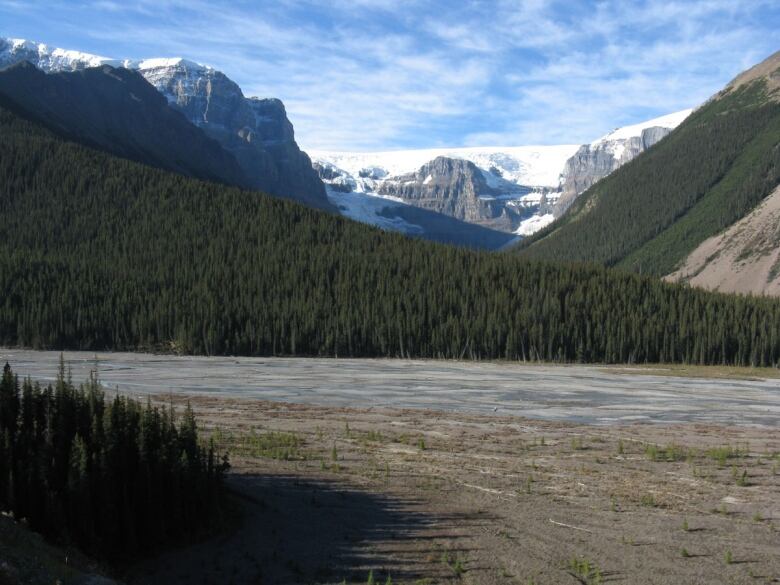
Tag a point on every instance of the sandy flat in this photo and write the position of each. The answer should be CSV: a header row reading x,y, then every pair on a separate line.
x,y
582,394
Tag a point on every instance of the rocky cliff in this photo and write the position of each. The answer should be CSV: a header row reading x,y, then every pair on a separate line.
x,y
594,161
454,187
256,131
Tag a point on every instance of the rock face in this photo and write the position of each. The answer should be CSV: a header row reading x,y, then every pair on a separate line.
x,y
356,198
256,131
454,187
116,110
592,162
507,189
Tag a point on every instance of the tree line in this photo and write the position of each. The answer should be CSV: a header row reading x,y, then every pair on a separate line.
x,y
116,477
98,252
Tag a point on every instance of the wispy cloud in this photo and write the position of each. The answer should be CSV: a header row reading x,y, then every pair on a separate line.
x,y
377,74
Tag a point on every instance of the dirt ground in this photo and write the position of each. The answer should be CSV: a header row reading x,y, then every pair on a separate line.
x,y
336,495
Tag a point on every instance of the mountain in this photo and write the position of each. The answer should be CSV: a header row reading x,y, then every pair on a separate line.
x,y
454,187
111,116
715,169
201,267
516,190
745,257
513,190
505,188
255,131
594,161
118,111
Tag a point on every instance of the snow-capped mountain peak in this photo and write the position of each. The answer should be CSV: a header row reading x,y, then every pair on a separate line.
x,y
594,161
525,165
502,189
521,188
167,62
51,59
635,130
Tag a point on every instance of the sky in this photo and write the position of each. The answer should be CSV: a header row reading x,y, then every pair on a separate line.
x,y
392,74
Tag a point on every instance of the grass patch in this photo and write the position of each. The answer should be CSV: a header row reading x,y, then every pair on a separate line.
x,y
585,570
648,500
270,445
669,453
726,452
456,563
694,371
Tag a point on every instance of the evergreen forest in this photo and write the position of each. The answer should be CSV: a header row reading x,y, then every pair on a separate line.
x,y
114,476
98,252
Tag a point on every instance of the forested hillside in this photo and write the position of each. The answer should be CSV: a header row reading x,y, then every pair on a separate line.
x,y
99,252
114,476
650,214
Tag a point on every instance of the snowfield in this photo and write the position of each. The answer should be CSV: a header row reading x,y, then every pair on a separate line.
x,y
533,166
368,208
624,133
534,223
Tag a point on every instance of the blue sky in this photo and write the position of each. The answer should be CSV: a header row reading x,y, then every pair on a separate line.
x,y
387,74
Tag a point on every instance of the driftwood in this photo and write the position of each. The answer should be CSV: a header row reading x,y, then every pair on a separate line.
x,y
569,526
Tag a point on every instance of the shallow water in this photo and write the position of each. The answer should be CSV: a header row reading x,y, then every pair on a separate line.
x,y
586,394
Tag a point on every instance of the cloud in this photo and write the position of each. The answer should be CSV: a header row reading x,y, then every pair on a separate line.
x,y
379,74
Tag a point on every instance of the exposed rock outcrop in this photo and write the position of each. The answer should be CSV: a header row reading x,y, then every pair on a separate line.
x,y
454,187
256,131
593,162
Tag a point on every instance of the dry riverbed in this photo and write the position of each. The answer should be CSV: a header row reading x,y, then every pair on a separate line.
x,y
331,494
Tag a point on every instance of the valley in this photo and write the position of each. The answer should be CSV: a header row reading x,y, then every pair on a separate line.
x,y
425,496
436,333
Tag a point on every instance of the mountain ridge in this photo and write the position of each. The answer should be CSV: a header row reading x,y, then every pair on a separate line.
x,y
524,189
255,131
116,110
707,175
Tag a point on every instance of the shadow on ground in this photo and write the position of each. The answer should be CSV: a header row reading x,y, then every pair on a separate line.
x,y
301,531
